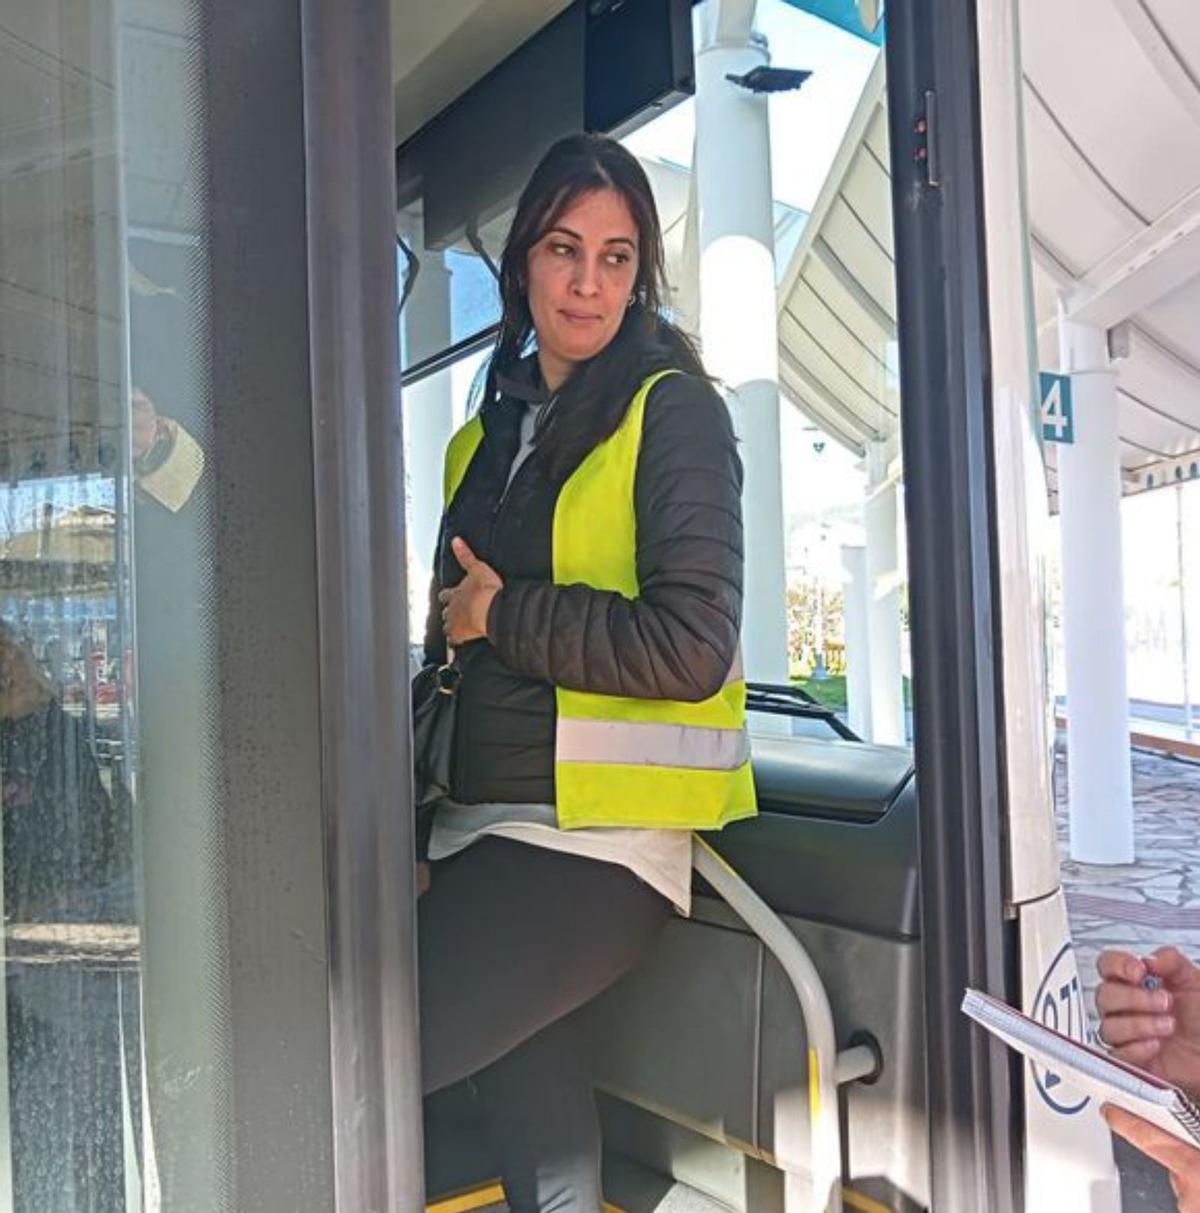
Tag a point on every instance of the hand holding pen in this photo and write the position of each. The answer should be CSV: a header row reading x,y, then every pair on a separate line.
x,y
1150,1013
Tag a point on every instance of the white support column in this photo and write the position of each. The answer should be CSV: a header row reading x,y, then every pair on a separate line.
x,y
1089,497
858,641
880,518
428,424
1184,633
737,306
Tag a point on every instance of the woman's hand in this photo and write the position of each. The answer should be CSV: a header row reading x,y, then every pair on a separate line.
x,y
1158,1030
465,608
1181,1160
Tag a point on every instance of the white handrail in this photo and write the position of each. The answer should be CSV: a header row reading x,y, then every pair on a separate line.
x,y
822,1193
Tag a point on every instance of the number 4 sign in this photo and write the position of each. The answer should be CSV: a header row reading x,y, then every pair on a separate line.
x,y
1058,417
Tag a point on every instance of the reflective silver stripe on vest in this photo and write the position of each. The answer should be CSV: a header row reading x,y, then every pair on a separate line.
x,y
651,743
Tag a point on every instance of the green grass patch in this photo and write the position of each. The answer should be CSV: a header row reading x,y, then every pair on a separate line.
x,y
831,691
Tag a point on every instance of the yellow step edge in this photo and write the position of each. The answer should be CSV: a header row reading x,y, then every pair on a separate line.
x,y
480,1198
493,1194
856,1200
464,1202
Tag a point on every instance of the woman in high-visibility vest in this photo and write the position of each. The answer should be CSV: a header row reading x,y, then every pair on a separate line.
x,y
588,584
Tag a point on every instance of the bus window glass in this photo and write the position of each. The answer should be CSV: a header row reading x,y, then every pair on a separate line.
x,y
836,610
115,1010
452,292
434,407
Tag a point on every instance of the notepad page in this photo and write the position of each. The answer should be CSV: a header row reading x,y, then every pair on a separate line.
x,y
1088,1071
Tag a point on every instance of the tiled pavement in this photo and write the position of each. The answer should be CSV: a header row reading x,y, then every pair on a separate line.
x,y
1156,899
1139,906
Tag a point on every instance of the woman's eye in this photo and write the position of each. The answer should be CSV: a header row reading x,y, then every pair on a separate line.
x,y
562,250
618,258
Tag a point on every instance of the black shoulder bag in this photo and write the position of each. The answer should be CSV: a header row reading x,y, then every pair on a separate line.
x,y
433,707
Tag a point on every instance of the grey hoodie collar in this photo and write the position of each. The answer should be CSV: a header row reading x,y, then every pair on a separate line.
x,y
524,382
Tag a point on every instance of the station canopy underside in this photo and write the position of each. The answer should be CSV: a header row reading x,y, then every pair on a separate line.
x,y
1114,224
1112,129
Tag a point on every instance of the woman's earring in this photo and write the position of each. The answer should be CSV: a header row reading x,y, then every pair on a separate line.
x,y
631,301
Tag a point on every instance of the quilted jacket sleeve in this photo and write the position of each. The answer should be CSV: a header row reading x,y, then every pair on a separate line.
x,y
435,651
678,638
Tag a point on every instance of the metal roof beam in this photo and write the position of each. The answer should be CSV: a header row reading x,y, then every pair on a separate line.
x,y
872,97
1146,269
1162,474
796,395
1168,62
874,310
806,384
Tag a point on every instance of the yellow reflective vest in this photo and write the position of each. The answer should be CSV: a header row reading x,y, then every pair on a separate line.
x,y
654,763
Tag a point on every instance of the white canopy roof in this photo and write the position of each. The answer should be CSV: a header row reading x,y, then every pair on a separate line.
x,y
1112,115
837,299
1112,112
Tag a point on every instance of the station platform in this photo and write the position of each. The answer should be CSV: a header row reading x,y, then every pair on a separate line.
x,y
1143,905
1157,727
1155,899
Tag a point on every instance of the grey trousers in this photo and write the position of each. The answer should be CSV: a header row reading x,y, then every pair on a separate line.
x,y
513,939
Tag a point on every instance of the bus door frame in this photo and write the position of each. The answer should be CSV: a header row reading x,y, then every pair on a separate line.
x,y
973,1091
358,469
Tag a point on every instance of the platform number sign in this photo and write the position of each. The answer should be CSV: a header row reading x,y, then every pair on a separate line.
x,y
1058,416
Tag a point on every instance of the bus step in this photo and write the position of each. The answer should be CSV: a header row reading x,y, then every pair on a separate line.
x,y
487,1198
633,1187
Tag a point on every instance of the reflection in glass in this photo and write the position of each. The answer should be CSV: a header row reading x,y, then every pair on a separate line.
x,y
70,940
101,439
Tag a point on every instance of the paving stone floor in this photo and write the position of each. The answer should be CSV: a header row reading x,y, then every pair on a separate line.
x,y
1139,906
1156,899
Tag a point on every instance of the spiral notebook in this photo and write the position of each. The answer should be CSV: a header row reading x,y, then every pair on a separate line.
x,y
1088,1070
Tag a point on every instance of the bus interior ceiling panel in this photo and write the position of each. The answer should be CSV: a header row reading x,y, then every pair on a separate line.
x,y
468,164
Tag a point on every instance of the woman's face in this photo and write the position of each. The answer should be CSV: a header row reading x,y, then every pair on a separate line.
x,y
581,276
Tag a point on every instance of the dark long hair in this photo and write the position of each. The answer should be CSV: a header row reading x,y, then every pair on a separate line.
x,y
593,400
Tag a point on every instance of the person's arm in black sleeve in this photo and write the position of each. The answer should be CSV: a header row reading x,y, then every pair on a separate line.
x,y
678,638
435,653
435,638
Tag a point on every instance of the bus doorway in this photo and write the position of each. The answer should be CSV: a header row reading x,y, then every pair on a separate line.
x,y
204,738
893,637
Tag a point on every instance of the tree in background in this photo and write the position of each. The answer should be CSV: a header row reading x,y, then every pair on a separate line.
x,y
816,626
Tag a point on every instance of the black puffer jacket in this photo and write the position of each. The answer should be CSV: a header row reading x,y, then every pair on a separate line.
x,y
676,640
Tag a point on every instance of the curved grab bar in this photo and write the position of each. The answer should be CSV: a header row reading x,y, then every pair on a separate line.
x,y
822,1193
